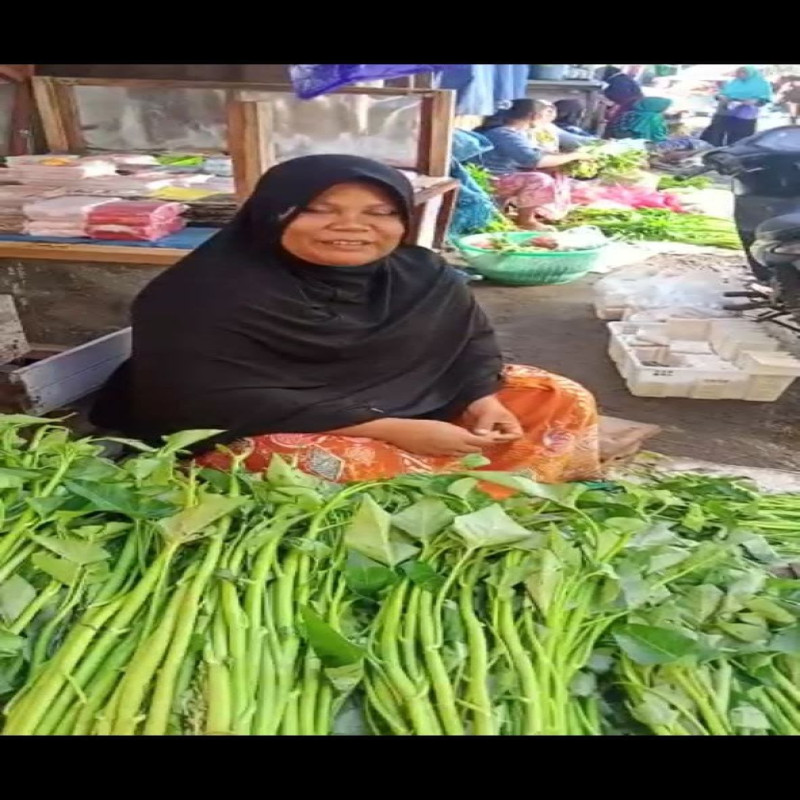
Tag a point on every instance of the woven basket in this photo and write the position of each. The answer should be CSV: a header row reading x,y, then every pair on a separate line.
x,y
547,267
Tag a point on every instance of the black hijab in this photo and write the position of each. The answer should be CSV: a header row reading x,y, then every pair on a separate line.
x,y
242,336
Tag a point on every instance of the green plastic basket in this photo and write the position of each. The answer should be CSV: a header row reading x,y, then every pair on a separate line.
x,y
525,268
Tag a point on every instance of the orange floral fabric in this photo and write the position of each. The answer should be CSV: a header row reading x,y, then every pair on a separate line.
x,y
560,444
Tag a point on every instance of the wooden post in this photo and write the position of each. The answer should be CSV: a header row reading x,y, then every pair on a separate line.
x,y
436,133
46,93
249,144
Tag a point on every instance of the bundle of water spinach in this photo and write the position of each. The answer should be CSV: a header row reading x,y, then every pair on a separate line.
x,y
144,596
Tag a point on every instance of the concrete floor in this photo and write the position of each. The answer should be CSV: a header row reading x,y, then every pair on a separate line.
x,y
554,327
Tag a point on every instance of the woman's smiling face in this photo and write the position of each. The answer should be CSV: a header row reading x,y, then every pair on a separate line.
x,y
348,225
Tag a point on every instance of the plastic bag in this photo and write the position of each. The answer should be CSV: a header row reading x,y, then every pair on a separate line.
x,y
60,208
136,212
624,197
136,233
312,80
584,237
636,292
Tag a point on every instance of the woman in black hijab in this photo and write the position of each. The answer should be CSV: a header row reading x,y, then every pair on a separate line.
x,y
622,93
307,327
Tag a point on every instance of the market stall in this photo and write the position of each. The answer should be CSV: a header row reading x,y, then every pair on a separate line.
x,y
215,121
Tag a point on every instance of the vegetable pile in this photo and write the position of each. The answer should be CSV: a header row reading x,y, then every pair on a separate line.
x,y
137,597
659,225
500,222
676,182
608,163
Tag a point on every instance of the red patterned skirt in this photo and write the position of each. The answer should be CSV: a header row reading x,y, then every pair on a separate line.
x,y
560,441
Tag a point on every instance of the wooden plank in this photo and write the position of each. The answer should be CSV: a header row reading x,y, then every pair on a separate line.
x,y
148,83
436,132
21,134
422,194
68,376
108,254
45,92
445,216
67,105
13,343
249,144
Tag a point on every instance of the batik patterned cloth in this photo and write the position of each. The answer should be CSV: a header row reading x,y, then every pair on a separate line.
x,y
548,192
560,442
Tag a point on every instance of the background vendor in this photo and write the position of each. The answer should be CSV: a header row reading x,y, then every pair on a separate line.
x,y
526,173
740,101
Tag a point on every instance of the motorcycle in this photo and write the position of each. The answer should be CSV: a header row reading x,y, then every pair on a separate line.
x,y
765,169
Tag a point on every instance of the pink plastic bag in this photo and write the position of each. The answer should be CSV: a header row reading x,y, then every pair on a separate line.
x,y
627,196
136,233
136,212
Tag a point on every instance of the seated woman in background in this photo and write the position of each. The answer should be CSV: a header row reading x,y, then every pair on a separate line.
x,y
544,133
306,328
526,174
569,113
739,103
621,92
647,120
475,208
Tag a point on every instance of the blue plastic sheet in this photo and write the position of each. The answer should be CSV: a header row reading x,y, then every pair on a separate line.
x,y
312,80
187,239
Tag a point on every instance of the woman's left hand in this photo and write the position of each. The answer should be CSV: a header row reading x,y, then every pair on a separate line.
x,y
488,416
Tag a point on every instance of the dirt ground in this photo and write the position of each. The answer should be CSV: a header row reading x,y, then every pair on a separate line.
x,y
554,327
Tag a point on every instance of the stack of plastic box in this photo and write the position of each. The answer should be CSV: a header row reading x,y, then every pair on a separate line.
x,y
702,359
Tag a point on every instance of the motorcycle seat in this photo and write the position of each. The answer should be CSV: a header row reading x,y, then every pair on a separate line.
x,y
785,228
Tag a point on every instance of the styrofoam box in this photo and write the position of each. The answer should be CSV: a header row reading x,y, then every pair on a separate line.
x,y
760,374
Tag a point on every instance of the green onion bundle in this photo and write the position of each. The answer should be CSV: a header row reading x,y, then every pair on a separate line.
x,y
658,225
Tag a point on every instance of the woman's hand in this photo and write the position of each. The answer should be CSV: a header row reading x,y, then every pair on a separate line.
x,y
428,437
424,437
489,417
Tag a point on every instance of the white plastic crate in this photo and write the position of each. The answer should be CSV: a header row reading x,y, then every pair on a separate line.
x,y
651,369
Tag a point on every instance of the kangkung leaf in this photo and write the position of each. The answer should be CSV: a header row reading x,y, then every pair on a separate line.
x,y
367,577
770,610
703,600
743,631
490,526
15,596
79,551
787,641
279,473
369,533
665,558
658,534
15,478
194,520
563,494
113,497
475,460
423,575
61,569
462,487
176,442
695,518
332,649
542,584
747,716
424,519
345,678
648,644
10,644
655,711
